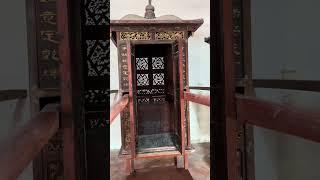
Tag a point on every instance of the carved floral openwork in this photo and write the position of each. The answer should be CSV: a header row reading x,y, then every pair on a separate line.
x,y
158,63
170,35
97,57
142,79
158,79
135,35
142,63
97,12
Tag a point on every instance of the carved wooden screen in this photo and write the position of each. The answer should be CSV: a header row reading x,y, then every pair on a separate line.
x,y
95,60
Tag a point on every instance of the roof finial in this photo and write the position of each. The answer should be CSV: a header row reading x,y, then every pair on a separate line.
x,y
149,11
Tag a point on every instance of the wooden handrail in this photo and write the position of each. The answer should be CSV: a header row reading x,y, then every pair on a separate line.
x,y
197,98
118,107
6,95
200,88
26,142
303,85
282,118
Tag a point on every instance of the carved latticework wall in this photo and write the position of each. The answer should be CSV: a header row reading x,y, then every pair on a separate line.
x,y
96,77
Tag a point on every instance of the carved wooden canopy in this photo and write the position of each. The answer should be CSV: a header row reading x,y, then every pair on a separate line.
x,y
148,26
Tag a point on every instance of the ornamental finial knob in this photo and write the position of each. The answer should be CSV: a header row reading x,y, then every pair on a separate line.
x,y
150,11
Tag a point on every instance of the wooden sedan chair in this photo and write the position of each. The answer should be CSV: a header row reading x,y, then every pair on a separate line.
x,y
153,68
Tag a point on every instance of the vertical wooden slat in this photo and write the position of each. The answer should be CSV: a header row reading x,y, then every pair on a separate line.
x,y
224,107
249,90
67,122
229,91
181,88
131,103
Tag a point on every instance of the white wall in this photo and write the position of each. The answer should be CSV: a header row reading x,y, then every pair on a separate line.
x,y
13,66
199,57
285,34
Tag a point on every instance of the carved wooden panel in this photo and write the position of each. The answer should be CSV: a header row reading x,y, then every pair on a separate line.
x,y
124,81
135,36
169,35
237,37
125,129
97,57
48,61
54,157
97,12
95,51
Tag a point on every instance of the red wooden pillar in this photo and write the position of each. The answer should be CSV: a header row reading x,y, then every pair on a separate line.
x,y
182,104
67,121
224,107
131,108
229,91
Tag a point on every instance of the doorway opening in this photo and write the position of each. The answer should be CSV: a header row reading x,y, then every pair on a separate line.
x,y
156,97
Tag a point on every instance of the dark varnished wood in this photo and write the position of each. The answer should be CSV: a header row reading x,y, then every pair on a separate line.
x,y
282,118
6,95
26,142
67,121
229,91
118,107
196,98
224,117
248,89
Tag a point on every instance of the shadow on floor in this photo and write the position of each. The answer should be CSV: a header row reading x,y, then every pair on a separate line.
x,y
163,173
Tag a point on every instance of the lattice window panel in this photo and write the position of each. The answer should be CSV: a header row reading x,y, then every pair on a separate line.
x,y
97,12
142,63
142,79
158,63
158,79
97,57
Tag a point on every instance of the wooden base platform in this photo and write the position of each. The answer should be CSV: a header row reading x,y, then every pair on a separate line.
x,y
163,173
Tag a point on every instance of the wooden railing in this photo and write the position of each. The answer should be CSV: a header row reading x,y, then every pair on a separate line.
x,y
118,107
282,118
26,142
197,98
6,95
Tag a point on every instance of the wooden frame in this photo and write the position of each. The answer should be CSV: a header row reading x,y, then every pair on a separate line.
x,y
67,121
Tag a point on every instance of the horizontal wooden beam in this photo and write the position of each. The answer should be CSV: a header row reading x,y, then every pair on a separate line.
x,y
18,150
278,117
287,84
197,98
118,107
6,95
